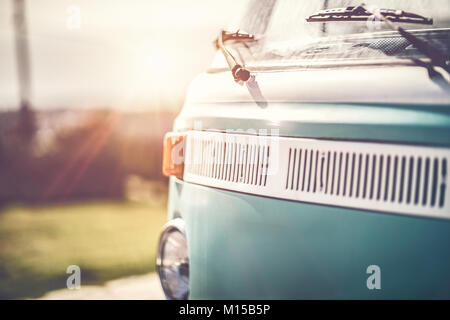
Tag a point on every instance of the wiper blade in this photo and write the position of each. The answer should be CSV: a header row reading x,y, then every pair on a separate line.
x,y
239,72
388,16
360,13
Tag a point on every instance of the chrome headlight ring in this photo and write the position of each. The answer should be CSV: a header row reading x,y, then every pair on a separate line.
x,y
173,260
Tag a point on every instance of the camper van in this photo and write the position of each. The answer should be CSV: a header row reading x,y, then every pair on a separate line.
x,y
311,159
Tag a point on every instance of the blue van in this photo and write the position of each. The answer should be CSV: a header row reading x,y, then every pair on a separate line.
x,y
310,161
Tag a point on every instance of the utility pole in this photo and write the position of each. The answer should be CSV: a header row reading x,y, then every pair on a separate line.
x,y
26,122
22,52
324,25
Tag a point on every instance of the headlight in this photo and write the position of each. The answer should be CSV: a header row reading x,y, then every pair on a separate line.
x,y
173,260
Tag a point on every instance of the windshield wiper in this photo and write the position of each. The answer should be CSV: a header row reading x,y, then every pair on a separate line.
x,y
360,13
388,16
239,72
437,58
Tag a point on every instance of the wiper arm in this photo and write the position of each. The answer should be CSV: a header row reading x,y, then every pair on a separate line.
x,y
388,16
239,72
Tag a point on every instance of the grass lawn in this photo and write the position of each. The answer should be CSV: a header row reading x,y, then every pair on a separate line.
x,y
106,240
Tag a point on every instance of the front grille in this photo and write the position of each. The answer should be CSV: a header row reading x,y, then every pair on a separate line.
x,y
409,179
224,158
373,176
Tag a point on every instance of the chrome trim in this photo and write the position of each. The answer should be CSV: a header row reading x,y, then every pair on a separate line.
x,y
296,65
176,224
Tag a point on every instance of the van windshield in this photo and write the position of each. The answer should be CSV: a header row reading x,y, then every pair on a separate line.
x,y
288,36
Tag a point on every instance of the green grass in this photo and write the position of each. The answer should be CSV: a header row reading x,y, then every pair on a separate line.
x,y
106,240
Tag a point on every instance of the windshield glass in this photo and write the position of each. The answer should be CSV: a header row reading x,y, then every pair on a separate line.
x,y
289,17
288,36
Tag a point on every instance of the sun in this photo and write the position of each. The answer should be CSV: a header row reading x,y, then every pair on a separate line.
x,y
158,62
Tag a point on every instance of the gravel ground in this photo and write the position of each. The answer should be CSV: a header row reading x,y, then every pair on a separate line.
x,y
145,287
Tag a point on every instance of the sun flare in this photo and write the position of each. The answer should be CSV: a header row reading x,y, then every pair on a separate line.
x,y
158,61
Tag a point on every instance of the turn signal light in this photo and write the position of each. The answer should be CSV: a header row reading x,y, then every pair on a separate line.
x,y
173,154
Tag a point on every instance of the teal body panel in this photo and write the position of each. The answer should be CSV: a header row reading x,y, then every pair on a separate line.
x,y
244,246
249,247
397,123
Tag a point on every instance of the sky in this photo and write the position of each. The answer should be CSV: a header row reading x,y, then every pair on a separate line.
x,y
134,55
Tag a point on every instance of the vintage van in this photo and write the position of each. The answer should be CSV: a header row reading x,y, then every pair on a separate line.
x,y
310,161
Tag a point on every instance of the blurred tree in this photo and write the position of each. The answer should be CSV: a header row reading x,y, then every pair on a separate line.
x,y
26,126
89,157
84,161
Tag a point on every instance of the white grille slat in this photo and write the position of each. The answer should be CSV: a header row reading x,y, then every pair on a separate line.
x,y
223,163
389,179
374,176
321,171
393,195
217,160
236,163
415,178
314,171
239,163
361,175
230,160
212,158
206,157
340,177
208,162
265,163
253,161
220,160
292,170
434,181
420,182
426,194
260,165
381,174
308,170
194,143
331,173
290,166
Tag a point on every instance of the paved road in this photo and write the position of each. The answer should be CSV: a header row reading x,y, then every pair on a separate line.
x,y
136,287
